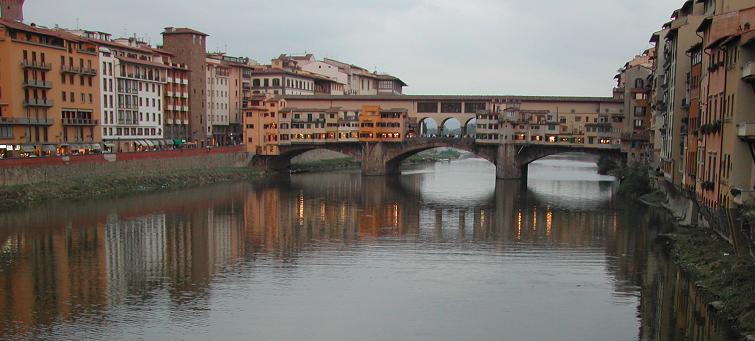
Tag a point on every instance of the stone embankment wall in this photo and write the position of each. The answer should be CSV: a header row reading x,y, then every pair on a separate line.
x,y
688,211
52,169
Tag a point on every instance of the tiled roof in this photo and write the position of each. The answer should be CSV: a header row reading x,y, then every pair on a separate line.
x,y
40,30
182,30
455,98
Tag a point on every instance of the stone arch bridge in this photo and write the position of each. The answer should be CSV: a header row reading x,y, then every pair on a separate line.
x,y
511,160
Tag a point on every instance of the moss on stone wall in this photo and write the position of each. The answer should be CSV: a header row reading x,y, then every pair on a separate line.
x,y
727,280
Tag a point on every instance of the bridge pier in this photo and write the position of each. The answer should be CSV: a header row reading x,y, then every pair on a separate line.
x,y
374,161
507,167
271,163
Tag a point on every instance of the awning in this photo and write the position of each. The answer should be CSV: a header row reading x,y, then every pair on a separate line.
x,y
717,42
177,142
28,148
140,143
86,146
160,142
75,146
96,146
748,38
49,148
108,145
149,143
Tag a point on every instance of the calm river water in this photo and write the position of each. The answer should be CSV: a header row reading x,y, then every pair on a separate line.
x,y
443,252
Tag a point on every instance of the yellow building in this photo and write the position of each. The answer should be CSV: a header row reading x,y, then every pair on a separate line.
x,y
382,125
49,92
262,125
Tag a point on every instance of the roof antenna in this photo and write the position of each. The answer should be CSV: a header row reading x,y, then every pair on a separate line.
x,y
77,23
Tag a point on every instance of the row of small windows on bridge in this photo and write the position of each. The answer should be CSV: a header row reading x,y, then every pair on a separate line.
x,y
450,107
540,138
328,136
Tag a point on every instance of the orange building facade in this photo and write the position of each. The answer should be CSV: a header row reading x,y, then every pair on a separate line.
x,y
269,124
49,92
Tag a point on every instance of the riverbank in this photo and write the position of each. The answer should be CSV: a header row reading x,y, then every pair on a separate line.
x,y
114,186
725,279
325,165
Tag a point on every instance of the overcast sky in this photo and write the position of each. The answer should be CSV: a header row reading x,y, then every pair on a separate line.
x,y
516,47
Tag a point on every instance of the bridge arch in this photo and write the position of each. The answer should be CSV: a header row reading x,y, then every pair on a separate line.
x,y
513,160
532,154
394,155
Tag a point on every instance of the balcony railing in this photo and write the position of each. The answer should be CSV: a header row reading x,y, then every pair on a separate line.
x,y
34,83
68,121
746,130
128,90
128,122
38,102
130,106
69,69
33,64
27,121
89,71
748,71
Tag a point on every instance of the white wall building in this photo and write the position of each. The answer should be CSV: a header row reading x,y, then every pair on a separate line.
x,y
218,101
132,82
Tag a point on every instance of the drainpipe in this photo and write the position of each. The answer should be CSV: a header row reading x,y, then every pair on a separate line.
x,y
707,91
721,148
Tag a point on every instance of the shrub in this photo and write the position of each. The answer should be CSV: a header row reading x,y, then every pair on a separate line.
x,y
635,180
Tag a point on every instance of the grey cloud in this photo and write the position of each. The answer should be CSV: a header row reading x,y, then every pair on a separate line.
x,y
548,47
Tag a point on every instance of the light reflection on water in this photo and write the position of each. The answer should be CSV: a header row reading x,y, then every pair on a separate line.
x,y
446,252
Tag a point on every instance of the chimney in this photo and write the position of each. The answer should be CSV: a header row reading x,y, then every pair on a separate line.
x,y
12,10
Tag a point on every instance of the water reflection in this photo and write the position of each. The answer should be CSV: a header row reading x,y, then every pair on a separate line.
x,y
448,248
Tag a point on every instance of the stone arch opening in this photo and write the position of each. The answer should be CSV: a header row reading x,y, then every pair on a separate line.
x,y
428,127
451,127
470,128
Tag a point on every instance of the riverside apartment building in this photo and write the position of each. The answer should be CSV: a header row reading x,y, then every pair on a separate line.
x,y
49,91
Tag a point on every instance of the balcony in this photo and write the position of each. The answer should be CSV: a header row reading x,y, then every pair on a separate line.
x,y
128,90
69,69
128,106
123,121
88,71
685,103
748,72
79,122
33,64
746,130
33,83
38,102
91,51
23,121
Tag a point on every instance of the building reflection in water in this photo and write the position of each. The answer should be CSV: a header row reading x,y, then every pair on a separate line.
x,y
61,262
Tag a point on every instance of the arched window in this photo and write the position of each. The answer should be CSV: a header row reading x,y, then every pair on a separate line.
x,y
639,83
276,82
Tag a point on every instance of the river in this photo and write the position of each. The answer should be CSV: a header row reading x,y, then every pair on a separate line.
x,y
442,252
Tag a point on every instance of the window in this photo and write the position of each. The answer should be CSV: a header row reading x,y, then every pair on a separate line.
x,y
473,107
450,107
